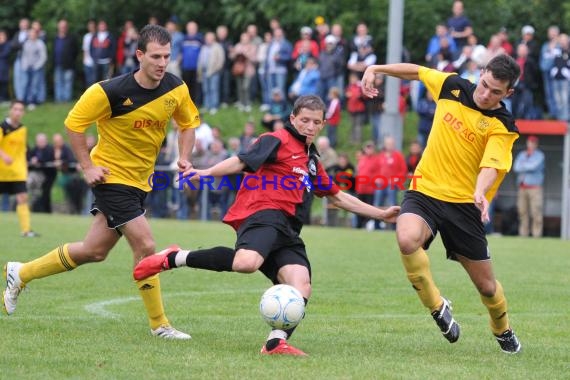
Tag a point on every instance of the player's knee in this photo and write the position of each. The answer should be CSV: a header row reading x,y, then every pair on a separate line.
x,y
487,288
408,243
247,262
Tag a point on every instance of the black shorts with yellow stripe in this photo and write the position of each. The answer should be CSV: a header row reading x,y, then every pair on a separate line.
x,y
459,224
118,203
270,233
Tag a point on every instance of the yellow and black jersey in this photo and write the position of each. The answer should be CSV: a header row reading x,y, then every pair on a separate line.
x,y
13,140
131,124
463,139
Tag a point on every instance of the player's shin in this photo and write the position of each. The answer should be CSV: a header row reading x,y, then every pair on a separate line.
x,y
419,274
497,307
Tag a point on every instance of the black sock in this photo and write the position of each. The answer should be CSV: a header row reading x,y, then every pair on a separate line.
x,y
219,259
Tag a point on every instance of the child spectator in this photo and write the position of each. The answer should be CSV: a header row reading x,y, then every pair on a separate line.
x,y
356,106
333,115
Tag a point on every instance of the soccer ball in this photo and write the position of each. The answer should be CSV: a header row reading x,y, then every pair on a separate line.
x,y
282,306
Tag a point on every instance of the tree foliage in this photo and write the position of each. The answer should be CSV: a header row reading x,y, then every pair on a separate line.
x,y
420,16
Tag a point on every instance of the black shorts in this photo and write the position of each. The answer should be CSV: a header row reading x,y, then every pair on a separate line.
x,y
119,203
462,231
15,187
270,233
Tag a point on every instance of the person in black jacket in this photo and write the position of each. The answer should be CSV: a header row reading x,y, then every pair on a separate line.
x,y
65,50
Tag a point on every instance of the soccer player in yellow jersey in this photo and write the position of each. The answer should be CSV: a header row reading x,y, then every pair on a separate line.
x,y
14,164
131,112
467,155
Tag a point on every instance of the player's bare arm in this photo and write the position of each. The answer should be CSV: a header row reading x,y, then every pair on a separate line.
x,y
186,140
351,203
94,175
408,71
485,180
231,165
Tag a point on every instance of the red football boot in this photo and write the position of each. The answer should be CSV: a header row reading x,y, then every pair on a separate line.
x,y
154,264
283,348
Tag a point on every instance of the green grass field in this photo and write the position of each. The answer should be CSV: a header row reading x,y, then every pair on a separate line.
x,y
364,321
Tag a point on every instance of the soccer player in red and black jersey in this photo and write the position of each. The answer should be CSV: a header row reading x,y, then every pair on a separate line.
x,y
468,153
268,211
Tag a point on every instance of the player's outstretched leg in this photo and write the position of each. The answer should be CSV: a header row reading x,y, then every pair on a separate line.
x,y
444,320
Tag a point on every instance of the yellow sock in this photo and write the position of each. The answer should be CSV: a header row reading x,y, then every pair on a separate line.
x,y
497,306
149,288
419,274
54,262
23,211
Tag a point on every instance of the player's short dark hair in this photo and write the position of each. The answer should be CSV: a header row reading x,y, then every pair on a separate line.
x,y
504,68
153,33
310,102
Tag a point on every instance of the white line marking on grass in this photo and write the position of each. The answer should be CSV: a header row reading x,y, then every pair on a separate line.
x,y
100,308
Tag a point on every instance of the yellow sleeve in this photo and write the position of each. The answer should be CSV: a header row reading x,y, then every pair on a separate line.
x,y
91,107
433,80
498,151
186,114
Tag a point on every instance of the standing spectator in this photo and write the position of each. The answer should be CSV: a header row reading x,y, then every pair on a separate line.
x,y
262,75
42,35
13,165
222,35
18,73
173,66
65,52
67,176
367,168
414,156
278,110
356,107
524,103
5,49
255,88
548,53
362,58
34,57
343,49
459,25
560,76
248,135
392,174
307,83
435,45
121,42
278,58
333,115
130,45
503,36
88,63
472,72
375,107
41,161
210,65
331,65
193,41
361,37
218,192
244,55
529,166
102,51
327,155
528,38
426,112
323,31
306,44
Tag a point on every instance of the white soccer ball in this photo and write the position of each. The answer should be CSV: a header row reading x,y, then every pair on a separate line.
x,y
282,306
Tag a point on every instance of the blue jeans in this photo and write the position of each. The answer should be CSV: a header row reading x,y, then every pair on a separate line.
x,y
63,84
32,79
89,73
387,196
211,91
278,81
19,80
561,89
265,90
551,103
